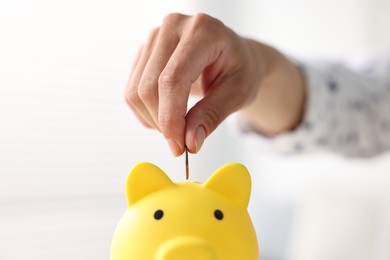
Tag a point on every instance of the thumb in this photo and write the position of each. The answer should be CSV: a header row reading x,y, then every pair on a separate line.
x,y
204,117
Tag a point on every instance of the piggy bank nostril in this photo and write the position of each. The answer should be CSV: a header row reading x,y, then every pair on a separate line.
x,y
218,214
158,214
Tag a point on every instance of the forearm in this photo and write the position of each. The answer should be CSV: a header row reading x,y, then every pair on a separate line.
x,y
278,105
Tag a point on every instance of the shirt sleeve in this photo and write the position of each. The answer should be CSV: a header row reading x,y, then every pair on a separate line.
x,y
347,111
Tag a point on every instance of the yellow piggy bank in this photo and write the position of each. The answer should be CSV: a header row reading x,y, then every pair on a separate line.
x,y
186,221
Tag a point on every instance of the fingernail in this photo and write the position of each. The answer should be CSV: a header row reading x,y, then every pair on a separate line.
x,y
199,138
175,147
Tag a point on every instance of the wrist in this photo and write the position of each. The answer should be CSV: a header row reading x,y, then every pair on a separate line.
x,y
259,60
279,101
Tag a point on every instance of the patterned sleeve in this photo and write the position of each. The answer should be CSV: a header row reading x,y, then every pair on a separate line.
x,y
347,111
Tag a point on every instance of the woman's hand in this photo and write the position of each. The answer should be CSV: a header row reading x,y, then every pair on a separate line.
x,y
199,55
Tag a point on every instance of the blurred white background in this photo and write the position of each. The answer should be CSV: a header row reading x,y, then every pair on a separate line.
x,y
67,139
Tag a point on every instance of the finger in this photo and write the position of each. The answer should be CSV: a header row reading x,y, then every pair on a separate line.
x,y
183,68
166,43
131,92
127,91
208,114
136,60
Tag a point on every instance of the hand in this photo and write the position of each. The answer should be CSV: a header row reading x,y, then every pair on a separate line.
x,y
192,54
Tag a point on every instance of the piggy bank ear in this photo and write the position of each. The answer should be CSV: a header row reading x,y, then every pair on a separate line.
x,y
144,179
233,181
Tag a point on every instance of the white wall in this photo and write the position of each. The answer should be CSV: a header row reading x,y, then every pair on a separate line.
x,y
320,29
67,139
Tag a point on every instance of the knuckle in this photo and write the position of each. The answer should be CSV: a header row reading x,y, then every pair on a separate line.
x,y
213,116
146,89
152,37
166,122
167,81
172,19
205,22
202,18
132,98
154,33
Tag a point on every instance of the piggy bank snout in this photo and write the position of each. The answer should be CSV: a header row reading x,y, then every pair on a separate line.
x,y
189,248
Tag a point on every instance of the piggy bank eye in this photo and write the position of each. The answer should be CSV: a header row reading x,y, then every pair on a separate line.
x,y
218,214
158,214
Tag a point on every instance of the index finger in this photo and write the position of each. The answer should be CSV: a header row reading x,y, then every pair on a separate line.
x,y
197,49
